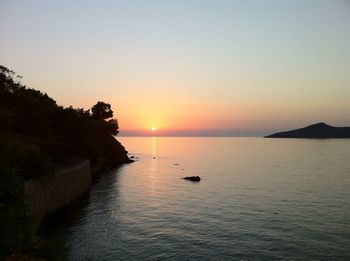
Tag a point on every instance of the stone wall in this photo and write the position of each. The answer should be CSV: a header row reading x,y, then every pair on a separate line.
x,y
47,195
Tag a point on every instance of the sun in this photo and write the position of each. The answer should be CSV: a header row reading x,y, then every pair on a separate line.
x,y
153,129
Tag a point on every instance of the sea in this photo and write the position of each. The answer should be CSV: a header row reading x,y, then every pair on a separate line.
x,y
258,199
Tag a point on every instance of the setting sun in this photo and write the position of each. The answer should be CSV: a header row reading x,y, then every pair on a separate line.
x,y
153,129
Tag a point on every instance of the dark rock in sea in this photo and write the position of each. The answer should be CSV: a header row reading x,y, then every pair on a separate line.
x,y
132,157
316,131
193,178
176,164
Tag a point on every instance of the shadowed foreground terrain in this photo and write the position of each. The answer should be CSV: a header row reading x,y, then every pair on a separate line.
x,y
318,131
38,137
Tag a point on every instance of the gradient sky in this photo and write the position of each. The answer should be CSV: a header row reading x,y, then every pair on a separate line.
x,y
191,67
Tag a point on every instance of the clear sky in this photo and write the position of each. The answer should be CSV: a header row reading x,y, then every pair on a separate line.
x,y
190,67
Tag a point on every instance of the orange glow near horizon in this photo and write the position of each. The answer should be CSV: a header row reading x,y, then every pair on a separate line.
x,y
183,114
175,115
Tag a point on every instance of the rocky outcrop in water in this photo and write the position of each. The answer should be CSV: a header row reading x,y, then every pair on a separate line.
x,y
193,178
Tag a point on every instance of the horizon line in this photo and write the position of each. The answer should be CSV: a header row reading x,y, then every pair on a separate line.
x,y
197,133
189,135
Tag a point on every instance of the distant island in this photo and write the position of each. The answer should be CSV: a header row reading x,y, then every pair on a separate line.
x,y
315,131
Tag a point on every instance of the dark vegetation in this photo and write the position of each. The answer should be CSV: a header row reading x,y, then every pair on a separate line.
x,y
316,131
36,137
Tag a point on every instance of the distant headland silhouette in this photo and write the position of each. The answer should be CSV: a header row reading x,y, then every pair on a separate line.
x,y
315,131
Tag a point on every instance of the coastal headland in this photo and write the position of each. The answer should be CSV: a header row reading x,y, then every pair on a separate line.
x,y
49,155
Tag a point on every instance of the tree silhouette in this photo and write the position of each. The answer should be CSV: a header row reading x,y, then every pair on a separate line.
x,y
101,111
113,127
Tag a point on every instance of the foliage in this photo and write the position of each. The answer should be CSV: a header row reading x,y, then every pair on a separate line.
x,y
13,229
102,111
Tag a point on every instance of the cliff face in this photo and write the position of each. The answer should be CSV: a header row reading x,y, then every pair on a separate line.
x,y
316,131
107,153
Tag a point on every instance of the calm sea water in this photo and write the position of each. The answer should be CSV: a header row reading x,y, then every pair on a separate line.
x,y
258,199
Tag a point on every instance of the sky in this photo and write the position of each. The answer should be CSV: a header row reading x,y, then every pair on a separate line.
x,y
187,67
